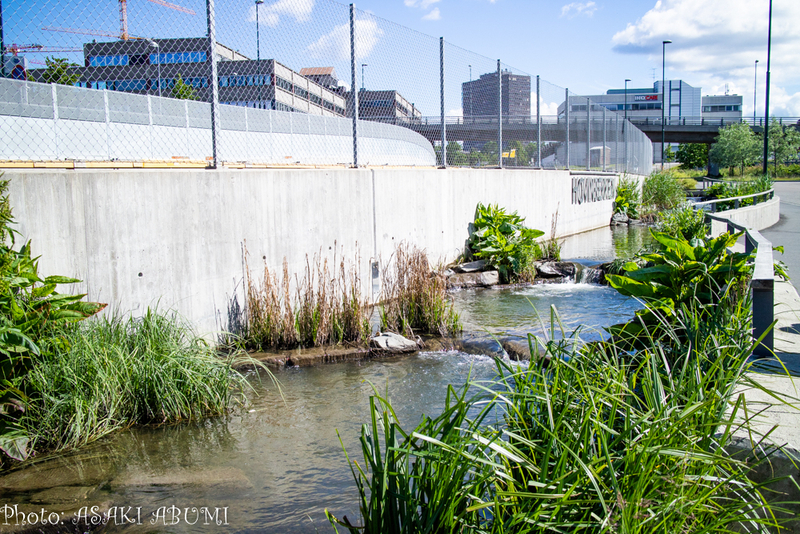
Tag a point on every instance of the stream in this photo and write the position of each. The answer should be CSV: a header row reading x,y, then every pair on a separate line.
x,y
276,465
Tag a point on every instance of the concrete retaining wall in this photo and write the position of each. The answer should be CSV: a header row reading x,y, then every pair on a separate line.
x,y
176,237
758,216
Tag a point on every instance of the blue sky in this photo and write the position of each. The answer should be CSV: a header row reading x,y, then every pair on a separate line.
x,y
588,46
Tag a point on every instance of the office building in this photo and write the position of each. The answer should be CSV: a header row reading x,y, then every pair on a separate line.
x,y
722,107
479,97
683,105
385,106
152,66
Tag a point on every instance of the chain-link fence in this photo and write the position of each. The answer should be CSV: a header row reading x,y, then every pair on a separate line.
x,y
279,82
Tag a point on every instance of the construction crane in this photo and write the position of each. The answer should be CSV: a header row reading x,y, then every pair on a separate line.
x,y
123,14
14,49
123,21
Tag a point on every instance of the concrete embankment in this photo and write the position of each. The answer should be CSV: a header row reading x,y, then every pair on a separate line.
x,y
177,238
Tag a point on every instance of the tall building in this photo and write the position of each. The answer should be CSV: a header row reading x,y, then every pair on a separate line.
x,y
153,66
479,97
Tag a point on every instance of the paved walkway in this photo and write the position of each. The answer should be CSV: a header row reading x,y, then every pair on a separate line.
x,y
787,330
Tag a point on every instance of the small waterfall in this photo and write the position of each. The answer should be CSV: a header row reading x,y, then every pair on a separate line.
x,y
587,275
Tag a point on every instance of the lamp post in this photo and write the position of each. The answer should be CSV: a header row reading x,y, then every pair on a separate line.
x,y
259,81
362,75
625,124
766,104
755,88
470,93
158,62
663,99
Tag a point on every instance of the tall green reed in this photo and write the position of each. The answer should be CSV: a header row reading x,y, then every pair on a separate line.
x,y
110,373
593,441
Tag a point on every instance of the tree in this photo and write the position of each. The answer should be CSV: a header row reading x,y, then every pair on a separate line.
x,y
669,155
456,156
783,142
692,155
182,90
489,152
736,145
59,71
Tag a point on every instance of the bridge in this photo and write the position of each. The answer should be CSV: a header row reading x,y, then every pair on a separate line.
x,y
553,129
699,129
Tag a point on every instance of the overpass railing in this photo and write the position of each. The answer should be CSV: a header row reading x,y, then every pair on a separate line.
x,y
297,58
713,121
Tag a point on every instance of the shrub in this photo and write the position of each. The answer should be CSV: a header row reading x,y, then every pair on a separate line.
x,y
502,239
692,155
701,276
628,197
661,191
750,186
31,314
684,221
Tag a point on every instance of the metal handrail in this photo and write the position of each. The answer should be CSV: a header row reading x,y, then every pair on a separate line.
x,y
770,193
762,284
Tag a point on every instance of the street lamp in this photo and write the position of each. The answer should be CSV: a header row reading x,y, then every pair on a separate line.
x,y
470,91
259,81
755,88
362,75
158,62
766,104
663,100
625,125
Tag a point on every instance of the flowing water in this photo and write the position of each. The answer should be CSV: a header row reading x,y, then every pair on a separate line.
x,y
278,464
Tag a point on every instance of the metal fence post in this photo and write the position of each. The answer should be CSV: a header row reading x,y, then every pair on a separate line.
x,y
566,117
538,125
353,88
212,55
441,93
604,140
588,134
616,144
499,115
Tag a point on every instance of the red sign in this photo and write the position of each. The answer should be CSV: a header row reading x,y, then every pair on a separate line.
x,y
645,97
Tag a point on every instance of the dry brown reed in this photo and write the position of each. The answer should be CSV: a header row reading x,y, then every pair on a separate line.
x,y
414,299
327,309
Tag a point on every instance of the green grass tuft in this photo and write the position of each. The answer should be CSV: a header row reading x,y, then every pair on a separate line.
x,y
106,374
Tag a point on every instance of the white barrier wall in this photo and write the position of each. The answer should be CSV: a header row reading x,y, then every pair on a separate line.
x,y
176,237
42,122
758,216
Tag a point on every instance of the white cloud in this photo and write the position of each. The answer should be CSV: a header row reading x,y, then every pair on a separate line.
x,y
433,15
271,14
576,8
422,4
716,42
336,44
545,108
457,112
